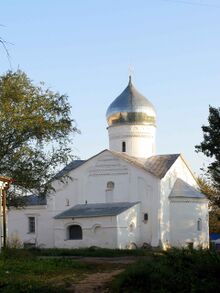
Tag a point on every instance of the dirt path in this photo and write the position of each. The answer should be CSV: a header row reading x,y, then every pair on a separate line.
x,y
95,282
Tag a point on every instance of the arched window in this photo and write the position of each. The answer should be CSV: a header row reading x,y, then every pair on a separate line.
x,y
74,232
109,191
199,225
123,146
110,185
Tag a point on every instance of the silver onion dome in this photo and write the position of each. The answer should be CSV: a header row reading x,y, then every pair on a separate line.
x,y
131,107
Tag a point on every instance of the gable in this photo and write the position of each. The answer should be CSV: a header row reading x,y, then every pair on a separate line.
x,y
157,165
179,170
183,189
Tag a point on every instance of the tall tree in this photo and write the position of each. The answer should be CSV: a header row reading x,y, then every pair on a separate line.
x,y
207,188
35,132
210,145
212,194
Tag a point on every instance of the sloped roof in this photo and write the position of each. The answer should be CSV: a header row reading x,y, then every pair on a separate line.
x,y
157,165
71,166
96,210
160,164
182,189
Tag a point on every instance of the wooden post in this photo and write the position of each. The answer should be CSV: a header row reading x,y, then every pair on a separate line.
x,y
5,184
4,218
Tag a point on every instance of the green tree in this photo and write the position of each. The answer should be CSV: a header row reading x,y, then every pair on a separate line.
x,y
35,132
214,205
210,146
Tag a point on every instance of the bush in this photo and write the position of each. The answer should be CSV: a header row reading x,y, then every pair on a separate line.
x,y
92,251
181,271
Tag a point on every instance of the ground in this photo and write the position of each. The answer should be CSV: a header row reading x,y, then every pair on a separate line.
x,y
113,271
54,273
97,282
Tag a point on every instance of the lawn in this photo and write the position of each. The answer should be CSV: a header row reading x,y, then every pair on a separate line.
x,y
56,270
24,271
40,275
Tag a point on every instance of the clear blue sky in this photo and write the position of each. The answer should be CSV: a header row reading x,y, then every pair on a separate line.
x,y
84,48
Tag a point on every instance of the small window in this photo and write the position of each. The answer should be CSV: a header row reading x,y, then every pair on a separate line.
x,y
31,224
145,217
110,185
75,232
123,147
199,225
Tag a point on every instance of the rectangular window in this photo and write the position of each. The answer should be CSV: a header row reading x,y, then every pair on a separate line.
x,y
145,217
123,147
199,225
31,224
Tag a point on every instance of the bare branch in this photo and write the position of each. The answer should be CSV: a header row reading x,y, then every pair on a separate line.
x,y
3,42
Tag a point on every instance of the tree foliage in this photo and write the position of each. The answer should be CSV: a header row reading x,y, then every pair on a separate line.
x,y
210,146
206,187
212,194
35,132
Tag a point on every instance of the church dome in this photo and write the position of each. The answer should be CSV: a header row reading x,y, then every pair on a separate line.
x,y
131,107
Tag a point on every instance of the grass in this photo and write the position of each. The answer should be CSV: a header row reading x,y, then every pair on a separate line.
x,y
181,271
21,271
84,252
50,270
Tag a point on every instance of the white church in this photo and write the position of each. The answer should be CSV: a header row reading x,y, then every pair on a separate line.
x,y
126,196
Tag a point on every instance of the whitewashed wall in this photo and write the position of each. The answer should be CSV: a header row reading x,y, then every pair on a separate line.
x,y
139,139
89,183
128,228
131,184
183,223
107,232
178,170
18,226
97,231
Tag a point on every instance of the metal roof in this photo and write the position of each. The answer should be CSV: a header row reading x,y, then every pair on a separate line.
x,y
157,165
130,107
160,164
183,189
71,166
96,210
